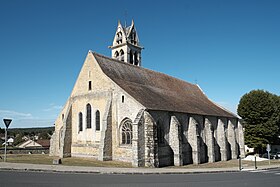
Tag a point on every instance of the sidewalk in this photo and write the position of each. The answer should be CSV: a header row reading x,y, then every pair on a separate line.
x,y
106,170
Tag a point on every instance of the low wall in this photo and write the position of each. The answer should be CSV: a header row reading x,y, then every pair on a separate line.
x,y
39,150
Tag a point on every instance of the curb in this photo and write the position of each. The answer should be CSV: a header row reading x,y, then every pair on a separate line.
x,y
92,170
119,173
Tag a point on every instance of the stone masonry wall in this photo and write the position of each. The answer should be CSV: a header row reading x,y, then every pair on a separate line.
x,y
175,139
105,148
151,147
197,139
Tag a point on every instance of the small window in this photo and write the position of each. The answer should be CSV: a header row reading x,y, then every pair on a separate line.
x,y
88,116
62,116
123,99
80,121
97,120
89,85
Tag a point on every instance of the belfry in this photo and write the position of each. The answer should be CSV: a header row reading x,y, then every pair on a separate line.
x,y
126,46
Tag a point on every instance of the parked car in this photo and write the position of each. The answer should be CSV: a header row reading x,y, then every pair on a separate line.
x,y
278,155
265,155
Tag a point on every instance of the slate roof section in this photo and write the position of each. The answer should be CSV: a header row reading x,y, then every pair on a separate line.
x,y
158,91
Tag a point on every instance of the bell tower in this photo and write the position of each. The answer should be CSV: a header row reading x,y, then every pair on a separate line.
x,y
126,46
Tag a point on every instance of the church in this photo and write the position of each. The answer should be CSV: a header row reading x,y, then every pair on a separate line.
x,y
119,110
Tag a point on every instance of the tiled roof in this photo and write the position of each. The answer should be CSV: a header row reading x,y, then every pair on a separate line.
x,y
158,91
44,143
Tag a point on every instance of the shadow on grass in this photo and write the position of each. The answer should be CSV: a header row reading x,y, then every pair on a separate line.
x,y
71,161
90,162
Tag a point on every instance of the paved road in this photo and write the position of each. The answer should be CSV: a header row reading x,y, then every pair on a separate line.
x,y
259,178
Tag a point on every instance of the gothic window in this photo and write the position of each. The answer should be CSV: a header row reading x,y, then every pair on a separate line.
x,y
131,57
116,54
121,55
123,99
133,37
119,37
126,132
88,116
80,121
135,59
97,120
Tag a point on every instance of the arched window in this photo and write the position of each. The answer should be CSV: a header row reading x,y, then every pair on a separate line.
x,y
135,59
121,55
97,120
116,54
131,57
119,37
88,116
126,132
133,37
80,121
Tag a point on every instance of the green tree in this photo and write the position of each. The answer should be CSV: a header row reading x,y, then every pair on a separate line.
x,y
2,131
18,139
260,111
44,135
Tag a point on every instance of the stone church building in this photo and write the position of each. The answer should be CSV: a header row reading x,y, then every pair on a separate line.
x,y
119,110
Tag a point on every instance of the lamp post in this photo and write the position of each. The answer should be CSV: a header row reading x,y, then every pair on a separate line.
x,y
7,123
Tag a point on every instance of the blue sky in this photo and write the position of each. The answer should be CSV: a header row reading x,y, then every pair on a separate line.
x,y
228,47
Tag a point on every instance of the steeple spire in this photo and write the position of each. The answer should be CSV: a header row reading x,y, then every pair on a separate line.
x,y
126,46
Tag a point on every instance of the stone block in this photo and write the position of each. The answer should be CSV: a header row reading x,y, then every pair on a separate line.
x,y
57,161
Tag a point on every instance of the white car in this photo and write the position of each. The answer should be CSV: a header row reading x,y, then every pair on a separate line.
x,y
278,155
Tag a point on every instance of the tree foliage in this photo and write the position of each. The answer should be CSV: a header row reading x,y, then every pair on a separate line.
x,y
260,111
2,130
18,139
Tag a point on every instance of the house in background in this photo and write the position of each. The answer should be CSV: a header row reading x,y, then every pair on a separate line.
x,y
35,144
10,142
44,143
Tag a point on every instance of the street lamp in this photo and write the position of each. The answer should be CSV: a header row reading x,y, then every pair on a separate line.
x,y
7,124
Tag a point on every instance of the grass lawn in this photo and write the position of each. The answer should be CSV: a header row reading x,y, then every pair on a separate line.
x,y
90,162
71,161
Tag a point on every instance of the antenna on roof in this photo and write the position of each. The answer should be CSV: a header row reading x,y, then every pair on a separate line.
x,y
195,81
125,17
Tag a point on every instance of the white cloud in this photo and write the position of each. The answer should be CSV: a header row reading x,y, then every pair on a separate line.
x,y
27,123
53,107
24,120
15,115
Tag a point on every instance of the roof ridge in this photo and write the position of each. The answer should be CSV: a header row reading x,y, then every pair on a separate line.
x,y
159,91
139,67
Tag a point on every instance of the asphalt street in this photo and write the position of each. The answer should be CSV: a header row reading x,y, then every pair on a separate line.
x,y
258,178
